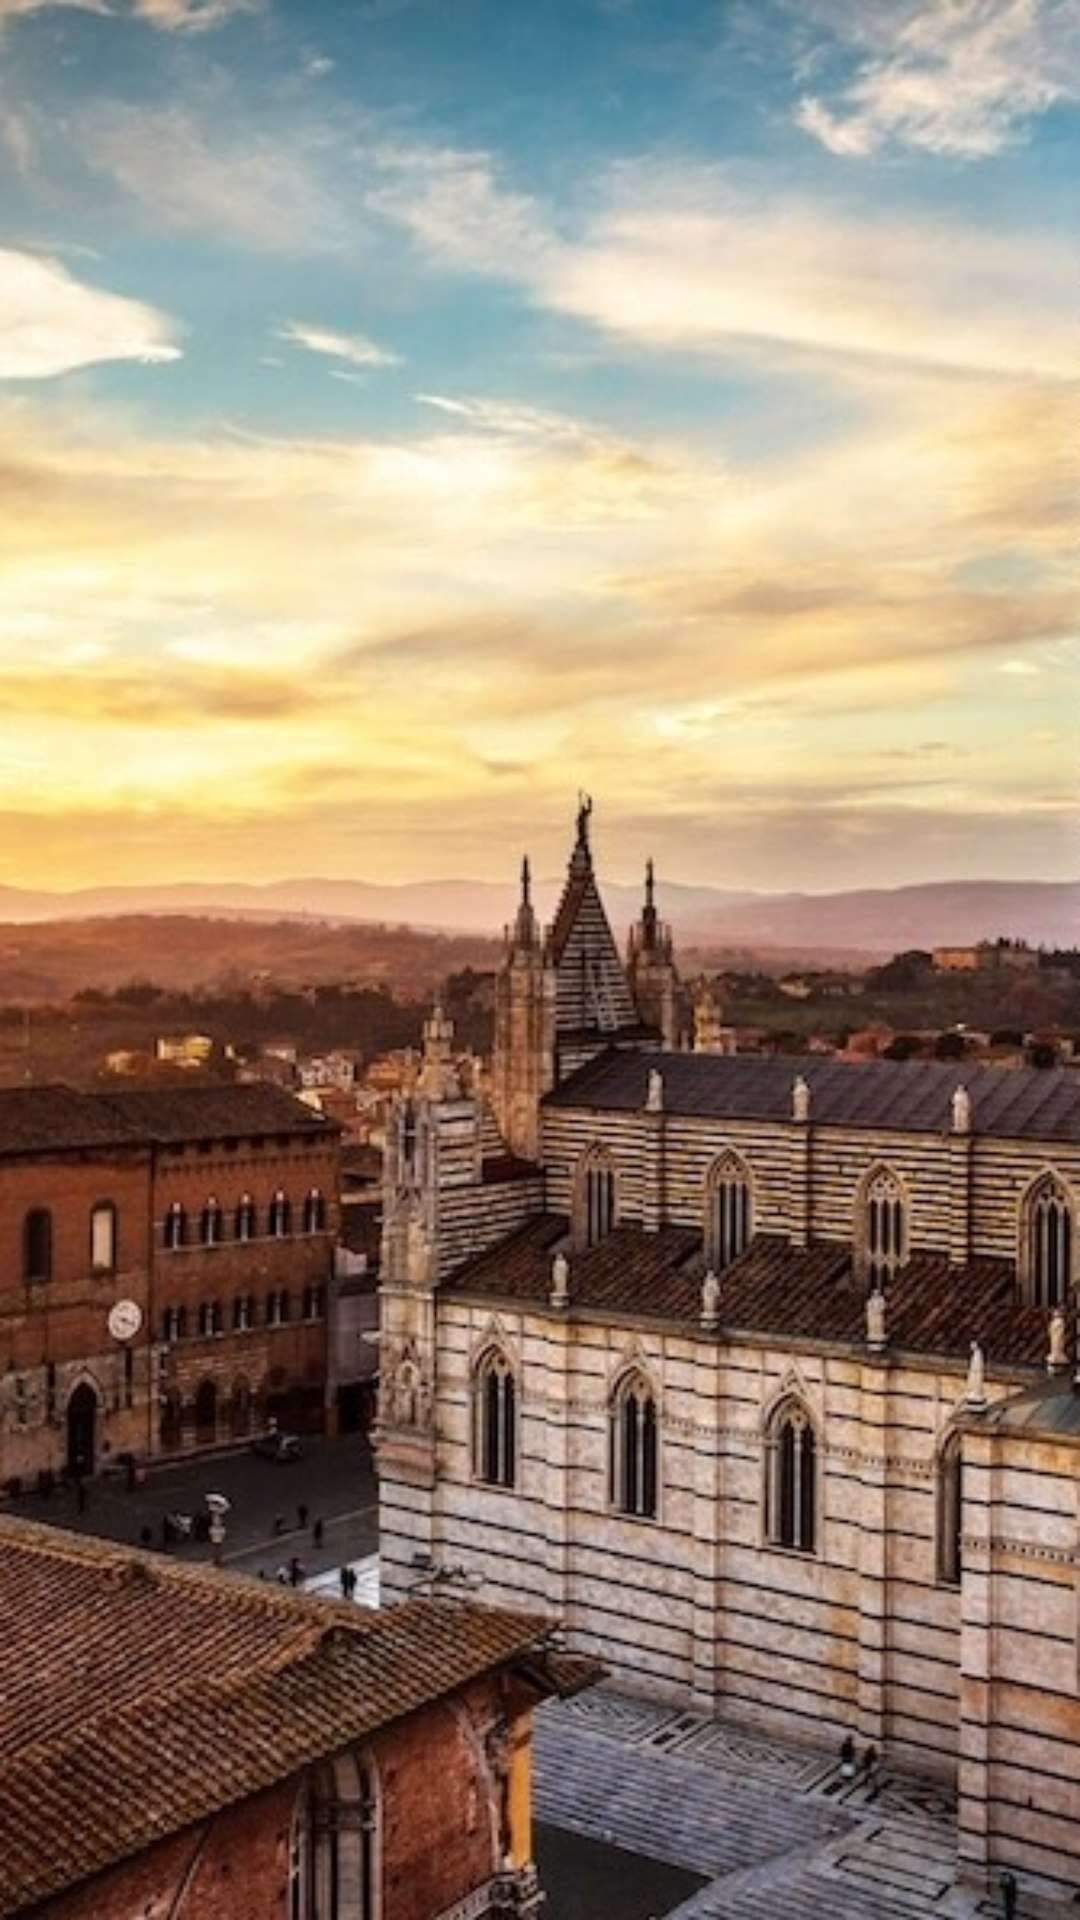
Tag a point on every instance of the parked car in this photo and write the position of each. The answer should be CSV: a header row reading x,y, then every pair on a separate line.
x,y
279,1447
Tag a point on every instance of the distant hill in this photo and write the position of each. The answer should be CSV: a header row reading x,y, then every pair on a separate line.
x,y
870,920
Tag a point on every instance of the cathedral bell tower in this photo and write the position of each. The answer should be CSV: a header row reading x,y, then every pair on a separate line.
x,y
432,1152
523,1063
650,964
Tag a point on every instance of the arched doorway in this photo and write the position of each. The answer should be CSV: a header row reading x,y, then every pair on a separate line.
x,y
240,1409
82,1416
206,1413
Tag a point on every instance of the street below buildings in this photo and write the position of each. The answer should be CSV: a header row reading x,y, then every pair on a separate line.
x,y
272,1512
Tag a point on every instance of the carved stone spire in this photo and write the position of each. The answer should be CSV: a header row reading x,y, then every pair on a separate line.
x,y
581,858
525,929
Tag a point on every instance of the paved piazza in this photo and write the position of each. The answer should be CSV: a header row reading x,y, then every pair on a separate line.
x,y
774,1828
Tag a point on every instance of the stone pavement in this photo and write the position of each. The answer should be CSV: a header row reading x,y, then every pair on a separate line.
x,y
773,1827
334,1479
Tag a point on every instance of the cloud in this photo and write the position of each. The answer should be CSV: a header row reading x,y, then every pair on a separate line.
x,y
52,323
677,258
356,348
268,185
189,16
956,77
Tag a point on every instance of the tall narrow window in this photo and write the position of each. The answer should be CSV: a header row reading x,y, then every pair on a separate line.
x,y
37,1244
950,1514
496,1420
175,1226
243,1312
791,1479
314,1303
633,1449
883,1230
213,1224
596,1199
103,1237
280,1216
245,1218
728,1216
1047,1254
333,1857
314,1212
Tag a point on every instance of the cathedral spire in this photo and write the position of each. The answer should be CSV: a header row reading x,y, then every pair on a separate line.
x,y
581,859
649,922
525,924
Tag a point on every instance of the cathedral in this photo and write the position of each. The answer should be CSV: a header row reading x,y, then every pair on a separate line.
x,y
758,1374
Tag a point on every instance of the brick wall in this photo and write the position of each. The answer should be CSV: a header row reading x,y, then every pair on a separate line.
x,y
440,1830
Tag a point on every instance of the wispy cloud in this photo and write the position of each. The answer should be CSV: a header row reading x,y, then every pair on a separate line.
x,y
955,77
187,16
52,323
356,348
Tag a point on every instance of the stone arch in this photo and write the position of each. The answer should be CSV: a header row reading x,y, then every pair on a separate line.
x,y
729,1209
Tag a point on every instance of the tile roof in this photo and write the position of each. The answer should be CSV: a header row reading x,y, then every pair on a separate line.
x,y
55,1118
774,1291
138,1696
911,1096
245,1110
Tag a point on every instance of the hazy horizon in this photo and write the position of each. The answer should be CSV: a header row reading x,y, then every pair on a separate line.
x,y
415,412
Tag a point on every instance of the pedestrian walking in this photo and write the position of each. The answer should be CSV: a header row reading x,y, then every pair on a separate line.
x,y
317,1533
279,1525
847,1758
870,1761
352,1583
343,1578
301,1516
1009,1892
296,1571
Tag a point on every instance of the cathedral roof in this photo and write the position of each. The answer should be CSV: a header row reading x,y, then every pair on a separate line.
x,y
912,1096
774,1291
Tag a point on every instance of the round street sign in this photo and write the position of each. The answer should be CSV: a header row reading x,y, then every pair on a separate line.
x,y
125,1319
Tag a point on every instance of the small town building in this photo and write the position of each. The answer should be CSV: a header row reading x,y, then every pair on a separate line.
x,y
166,1271
185,1742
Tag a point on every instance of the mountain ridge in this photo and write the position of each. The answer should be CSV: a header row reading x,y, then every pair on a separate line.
x,y
877,919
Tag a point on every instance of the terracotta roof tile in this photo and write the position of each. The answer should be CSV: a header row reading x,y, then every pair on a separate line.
x,y
212,1112
138,1696
57,1118
773,1290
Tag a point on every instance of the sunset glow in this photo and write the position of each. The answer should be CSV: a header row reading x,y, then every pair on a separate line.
x,y
415,412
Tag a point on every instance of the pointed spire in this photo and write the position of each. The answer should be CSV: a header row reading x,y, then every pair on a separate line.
x,y
525,930
650,887
581,860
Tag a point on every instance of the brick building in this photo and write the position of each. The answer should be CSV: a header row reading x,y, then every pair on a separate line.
x,y
166,1262
758,1373
178,1740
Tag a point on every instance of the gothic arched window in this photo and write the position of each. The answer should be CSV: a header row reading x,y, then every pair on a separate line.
x,y
728,1211
334,1852
950,1510
791,1478
882,1229
212,1224
1047,1243
495,1404
245,1223
633,1448
596,1207
175,1226
314,1212
280,1216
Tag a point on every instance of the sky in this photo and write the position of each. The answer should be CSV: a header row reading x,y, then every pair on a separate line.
x,y
415,412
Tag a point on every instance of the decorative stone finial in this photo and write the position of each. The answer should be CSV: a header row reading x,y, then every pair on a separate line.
x,y
560,1281
876,1338
1057,1358
961,1111
650,887
654,1097
710,1302
800,1099
975,1390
